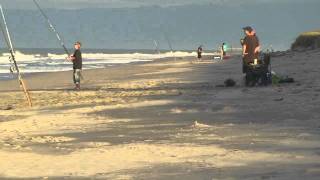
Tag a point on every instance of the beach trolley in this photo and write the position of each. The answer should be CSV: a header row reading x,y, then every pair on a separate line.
x,y
259,73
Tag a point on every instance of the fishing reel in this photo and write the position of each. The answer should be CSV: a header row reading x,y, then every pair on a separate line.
x,y
12,68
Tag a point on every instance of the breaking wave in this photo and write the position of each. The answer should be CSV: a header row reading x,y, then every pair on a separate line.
x,y
30,63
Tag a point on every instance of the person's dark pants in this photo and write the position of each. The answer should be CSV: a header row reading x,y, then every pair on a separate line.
x,y
244,67
250,77
76,76
199,56
246,61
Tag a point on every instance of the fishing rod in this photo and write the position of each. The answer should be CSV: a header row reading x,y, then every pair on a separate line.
x,y
168,41
170,45
156,44
52,28
7,38
166,36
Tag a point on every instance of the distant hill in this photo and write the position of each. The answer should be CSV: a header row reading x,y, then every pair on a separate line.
x,y
309,40
185,26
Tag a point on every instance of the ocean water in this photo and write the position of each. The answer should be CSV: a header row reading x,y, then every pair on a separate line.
x,y
48,60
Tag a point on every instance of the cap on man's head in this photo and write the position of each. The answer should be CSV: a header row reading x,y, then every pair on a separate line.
x,y
248,28
77,43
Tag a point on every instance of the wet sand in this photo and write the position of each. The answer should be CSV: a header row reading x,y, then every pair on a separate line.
x,y
164,120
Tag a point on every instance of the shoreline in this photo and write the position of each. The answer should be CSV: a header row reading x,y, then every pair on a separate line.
x,y
35,63
68,73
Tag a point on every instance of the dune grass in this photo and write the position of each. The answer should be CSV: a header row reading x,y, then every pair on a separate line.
x,y
309,39
311,33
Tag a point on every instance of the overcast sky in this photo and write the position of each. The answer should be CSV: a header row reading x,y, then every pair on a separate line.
x,y
66,4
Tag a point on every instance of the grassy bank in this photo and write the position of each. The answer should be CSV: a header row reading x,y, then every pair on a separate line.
x,y
307,40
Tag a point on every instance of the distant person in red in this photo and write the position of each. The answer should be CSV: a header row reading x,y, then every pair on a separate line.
x,y
251,46
199,51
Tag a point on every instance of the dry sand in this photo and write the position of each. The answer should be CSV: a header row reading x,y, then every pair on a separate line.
x,y
164,120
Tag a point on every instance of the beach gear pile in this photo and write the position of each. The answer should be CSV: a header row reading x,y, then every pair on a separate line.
x,y
259,72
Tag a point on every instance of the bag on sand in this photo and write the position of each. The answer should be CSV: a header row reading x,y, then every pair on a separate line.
x,y
229,83
281,80
286,80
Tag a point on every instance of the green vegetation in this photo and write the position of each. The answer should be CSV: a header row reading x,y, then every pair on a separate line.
x,y
307,40
311,33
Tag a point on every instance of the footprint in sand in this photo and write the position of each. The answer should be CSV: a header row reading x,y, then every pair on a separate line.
x,y
6,108
196,124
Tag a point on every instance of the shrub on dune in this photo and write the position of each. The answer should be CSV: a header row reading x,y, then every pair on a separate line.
x,y
309,40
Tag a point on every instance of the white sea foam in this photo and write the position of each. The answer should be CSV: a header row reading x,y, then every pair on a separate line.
x,y
30,63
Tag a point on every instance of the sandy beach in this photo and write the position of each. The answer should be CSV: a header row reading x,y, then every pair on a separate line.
x,y
166,119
